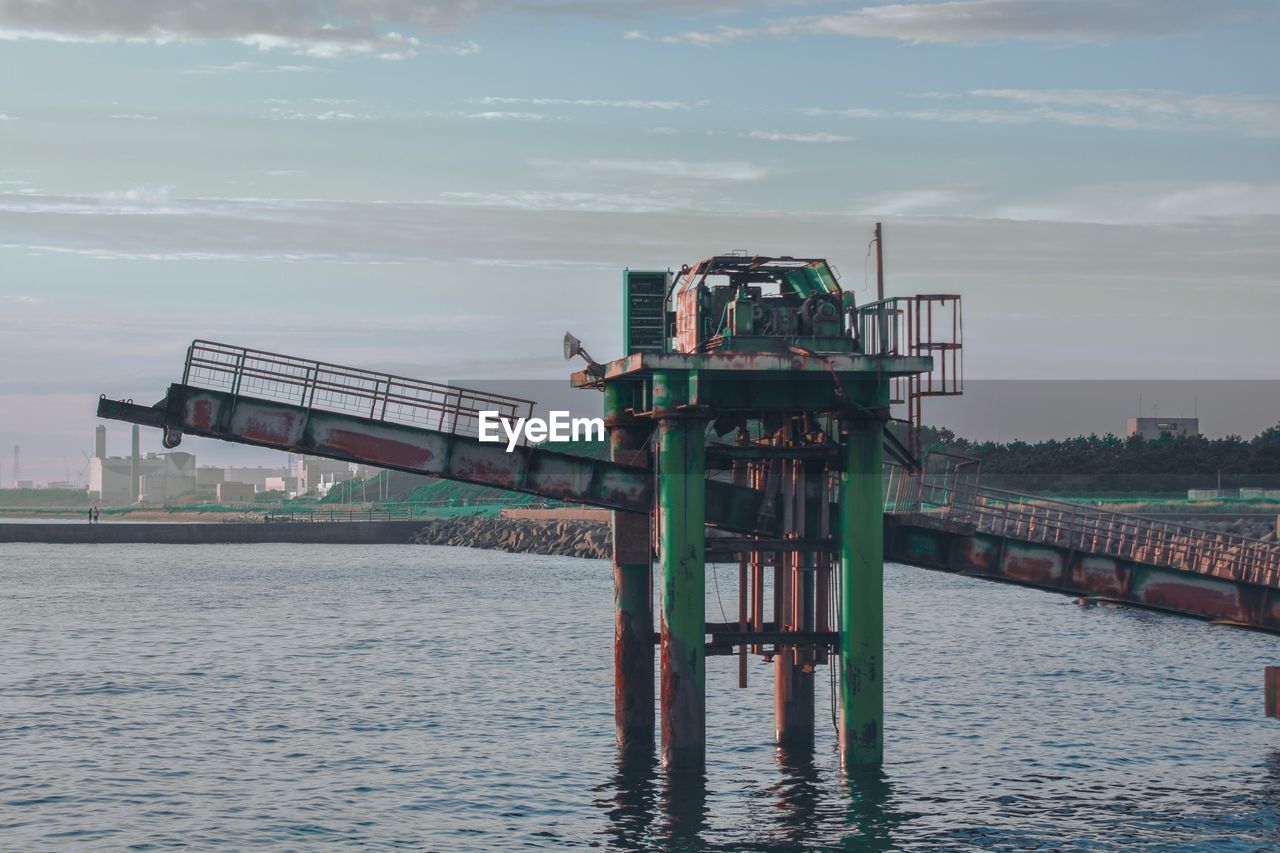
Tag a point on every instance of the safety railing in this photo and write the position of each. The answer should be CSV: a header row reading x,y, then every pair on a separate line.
x,y
340,515
331,387
945,479
951,492
902,490
928,325
879,325
1115,534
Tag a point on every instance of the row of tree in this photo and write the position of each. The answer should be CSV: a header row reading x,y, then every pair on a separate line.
x,y
1111,465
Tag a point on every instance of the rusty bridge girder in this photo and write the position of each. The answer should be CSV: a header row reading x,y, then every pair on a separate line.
x,y
221,415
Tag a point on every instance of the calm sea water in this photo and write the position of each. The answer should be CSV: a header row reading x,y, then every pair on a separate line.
x,y
301,696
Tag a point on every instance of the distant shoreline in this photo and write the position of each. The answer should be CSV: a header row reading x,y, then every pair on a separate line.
x,y
206,533
562,537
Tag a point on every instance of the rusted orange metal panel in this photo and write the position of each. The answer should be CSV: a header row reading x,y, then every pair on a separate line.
x,y
931,543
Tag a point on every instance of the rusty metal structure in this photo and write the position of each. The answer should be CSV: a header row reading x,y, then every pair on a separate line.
x,y
746,423
946,519
767,376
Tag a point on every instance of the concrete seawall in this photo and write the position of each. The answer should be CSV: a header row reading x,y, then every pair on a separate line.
x,y
570,538
178,533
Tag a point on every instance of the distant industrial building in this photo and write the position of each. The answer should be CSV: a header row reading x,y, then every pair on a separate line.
x,y
207,480
256,477
234,493
165,477
288,485
160,477
174,479
1153,428
317,475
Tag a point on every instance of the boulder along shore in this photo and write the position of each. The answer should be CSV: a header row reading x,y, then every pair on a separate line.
x,y
564,538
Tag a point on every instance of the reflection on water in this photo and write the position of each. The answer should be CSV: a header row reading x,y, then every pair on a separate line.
x,y
684,810
871,819
797,795
649,809
447,699
630,799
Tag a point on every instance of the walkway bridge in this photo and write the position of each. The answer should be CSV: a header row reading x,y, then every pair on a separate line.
x,y
946,519
940,518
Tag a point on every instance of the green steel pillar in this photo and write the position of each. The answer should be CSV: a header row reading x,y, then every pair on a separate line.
x,y
681,524
632,591
862,594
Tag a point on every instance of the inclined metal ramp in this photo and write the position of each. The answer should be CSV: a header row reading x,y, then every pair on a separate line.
x,y
271,400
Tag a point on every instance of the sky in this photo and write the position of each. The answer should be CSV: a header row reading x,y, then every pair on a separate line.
x,y
443,188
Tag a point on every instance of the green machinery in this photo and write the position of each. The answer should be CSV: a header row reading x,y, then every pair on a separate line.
x,y
760,371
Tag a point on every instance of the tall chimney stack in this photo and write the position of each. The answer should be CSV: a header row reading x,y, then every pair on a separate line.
x,y
100,442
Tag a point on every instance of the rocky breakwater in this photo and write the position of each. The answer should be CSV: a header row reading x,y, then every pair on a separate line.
x,y
564,538
1250,527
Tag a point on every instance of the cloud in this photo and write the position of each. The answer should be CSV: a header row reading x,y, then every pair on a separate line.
x,y
138,196
976,21
777,136
1257,115
1151,202
7,117
979,116
501,115
697,170
1136,203
324,29
591,227
1117,109
591,102
328,29
333,43
250,67
651,202
133,117
289,114
20,299
933,201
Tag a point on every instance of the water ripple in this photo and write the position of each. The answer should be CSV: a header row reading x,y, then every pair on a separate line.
x,y
442,698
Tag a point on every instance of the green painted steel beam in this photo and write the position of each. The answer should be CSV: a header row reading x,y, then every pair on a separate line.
x,y
681,525
862,595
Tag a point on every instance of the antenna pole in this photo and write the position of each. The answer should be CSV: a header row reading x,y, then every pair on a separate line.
x,y
879,263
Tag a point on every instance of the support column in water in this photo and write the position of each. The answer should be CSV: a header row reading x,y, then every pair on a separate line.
x,y
681,525
862,593
632,590
794,696
793,706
